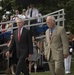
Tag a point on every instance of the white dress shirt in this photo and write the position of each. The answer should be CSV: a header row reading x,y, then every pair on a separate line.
x,y
35,13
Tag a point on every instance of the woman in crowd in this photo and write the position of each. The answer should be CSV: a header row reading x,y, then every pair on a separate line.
x,y
33,60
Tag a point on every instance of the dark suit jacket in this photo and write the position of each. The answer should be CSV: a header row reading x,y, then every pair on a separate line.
x,y
25,46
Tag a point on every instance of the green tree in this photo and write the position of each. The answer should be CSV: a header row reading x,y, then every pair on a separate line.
x,y
69,9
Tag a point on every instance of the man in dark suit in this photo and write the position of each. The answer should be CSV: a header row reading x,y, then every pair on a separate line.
x,y
22,40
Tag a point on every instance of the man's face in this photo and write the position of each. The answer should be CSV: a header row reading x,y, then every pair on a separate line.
x,y
50,23
20,23
31,6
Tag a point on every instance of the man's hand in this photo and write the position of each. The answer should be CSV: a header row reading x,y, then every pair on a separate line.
x,y
45,57
66,55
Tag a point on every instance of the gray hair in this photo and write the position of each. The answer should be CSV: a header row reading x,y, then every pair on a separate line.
x,y
53,18
20,19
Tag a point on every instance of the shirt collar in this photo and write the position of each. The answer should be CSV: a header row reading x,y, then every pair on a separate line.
x,y
21,30
51,30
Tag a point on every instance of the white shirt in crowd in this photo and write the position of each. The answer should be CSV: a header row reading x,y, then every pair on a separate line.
x,y
35,13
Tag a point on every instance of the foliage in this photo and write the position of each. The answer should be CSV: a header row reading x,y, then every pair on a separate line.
x,y
69,9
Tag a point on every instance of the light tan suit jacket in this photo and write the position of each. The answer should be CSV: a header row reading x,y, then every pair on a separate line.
x,y
58,45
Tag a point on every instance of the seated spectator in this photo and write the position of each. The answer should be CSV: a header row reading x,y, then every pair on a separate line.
x,y
24,13
3,25
17,13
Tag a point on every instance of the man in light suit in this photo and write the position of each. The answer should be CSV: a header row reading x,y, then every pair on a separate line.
x,y
23,45
56,47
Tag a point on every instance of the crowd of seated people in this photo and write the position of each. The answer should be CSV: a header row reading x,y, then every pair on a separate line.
x,y
30,12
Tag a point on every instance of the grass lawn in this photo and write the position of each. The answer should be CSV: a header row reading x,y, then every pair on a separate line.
x,y
41,73
72,68
48,72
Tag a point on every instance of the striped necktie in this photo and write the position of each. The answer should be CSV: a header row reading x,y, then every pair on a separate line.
x,y
50,34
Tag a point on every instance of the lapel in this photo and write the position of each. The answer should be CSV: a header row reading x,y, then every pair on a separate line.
x,y
54,32
48,34
23,33
17,35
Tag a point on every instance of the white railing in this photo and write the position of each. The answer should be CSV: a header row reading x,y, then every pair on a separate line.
x,y
59,17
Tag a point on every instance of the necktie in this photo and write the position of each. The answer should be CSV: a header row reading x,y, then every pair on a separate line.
x,y
50,34
50,37
31,13
18,35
